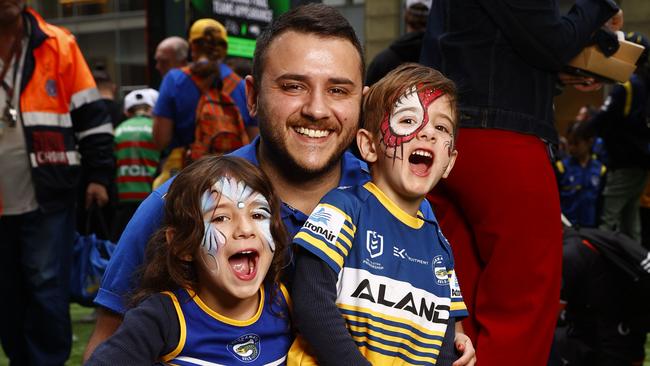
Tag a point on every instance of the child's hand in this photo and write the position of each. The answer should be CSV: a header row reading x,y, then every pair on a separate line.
x,y
465,348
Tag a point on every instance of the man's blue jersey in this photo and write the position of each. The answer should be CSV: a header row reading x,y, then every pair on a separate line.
x,y
209,338
396,284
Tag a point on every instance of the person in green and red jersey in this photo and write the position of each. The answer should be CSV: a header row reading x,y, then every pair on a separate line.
x,y
137,156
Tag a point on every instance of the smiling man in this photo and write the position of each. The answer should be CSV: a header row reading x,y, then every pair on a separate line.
x,y
306,92
310,104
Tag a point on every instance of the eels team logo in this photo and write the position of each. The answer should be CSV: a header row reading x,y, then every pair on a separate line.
x,y
245,348
440,270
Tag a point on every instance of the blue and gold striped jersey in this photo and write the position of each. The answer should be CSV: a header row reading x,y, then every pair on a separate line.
x,y
209,338
396,284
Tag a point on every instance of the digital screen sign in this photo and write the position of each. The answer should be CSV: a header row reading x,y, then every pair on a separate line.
x,y
244,20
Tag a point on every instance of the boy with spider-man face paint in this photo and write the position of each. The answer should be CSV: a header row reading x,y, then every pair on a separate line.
x,y
373,277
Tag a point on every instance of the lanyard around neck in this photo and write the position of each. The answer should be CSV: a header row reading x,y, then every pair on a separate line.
x,y
16,50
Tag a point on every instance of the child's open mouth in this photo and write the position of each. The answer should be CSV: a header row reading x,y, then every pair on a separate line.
x,y
420,161
244,264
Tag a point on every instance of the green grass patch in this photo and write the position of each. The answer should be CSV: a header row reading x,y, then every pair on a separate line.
x,y
82,326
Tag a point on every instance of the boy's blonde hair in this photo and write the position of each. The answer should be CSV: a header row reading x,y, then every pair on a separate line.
x,y
384,94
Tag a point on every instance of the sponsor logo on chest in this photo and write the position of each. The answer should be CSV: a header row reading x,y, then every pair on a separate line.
x,y
392,297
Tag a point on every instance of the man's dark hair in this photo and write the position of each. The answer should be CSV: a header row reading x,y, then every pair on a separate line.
x,y
100,75
318,19
416,17
102,78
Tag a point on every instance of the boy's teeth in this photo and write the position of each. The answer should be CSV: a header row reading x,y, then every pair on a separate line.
x,y
422,153
312,132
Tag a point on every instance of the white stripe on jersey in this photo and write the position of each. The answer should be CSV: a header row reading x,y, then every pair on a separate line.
x,y
200,362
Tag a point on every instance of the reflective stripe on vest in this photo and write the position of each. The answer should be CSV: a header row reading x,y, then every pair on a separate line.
x,y
32,119
84,97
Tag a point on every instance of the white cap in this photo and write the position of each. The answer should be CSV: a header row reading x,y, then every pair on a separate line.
x,y
426,3
141,96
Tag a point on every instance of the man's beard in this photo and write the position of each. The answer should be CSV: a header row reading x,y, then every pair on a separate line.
x,y
278,153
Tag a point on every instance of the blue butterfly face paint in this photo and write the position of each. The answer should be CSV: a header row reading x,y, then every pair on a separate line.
x,y
232,209
237,247
239,193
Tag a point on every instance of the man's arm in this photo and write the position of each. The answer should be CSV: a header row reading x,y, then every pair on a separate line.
x,y
543,37
163,130
165,112
92,126
106,324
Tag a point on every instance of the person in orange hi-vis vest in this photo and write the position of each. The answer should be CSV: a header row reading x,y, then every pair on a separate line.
x,y
52,127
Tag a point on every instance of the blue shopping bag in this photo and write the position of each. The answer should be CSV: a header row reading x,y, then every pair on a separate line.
x,y
90,256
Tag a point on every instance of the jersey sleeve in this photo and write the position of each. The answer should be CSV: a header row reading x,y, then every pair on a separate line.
x,y
165,106
330,229
458,309
147,332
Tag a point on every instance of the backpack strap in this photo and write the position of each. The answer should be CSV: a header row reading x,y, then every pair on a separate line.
x,y
195,79
230,82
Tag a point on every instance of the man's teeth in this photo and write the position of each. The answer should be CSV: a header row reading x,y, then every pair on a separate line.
x,y
311,132
422,153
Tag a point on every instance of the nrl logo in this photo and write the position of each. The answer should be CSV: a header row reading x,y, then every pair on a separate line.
x,y
245,348
374,243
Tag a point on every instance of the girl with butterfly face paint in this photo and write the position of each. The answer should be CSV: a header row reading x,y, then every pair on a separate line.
x,y
237,247
215,264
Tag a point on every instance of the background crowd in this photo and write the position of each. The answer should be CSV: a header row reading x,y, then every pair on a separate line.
x,y
76,157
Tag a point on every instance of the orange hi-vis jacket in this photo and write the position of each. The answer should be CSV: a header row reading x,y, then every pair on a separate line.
x,y
67,126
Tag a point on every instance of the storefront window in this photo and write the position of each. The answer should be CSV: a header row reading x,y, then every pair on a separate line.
x,y
74,8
